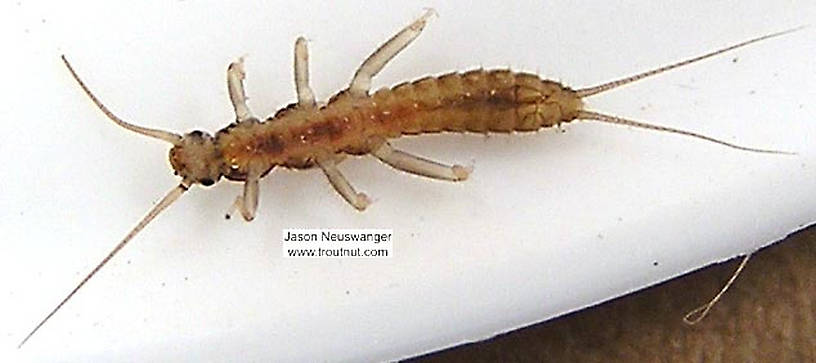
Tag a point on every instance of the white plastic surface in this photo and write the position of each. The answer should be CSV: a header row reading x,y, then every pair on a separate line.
x,y
547,224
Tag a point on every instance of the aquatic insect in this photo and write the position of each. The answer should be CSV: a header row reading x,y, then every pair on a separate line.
x,y
355,122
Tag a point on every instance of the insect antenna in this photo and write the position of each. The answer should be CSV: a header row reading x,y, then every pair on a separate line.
x,y
168,199
170,137
590,91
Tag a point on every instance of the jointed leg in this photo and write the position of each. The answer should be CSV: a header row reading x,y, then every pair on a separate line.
x,y
420,166
247,203
305,95
377,60
235,86
357,200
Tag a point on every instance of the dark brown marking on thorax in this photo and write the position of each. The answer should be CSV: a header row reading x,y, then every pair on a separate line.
x,y
475,101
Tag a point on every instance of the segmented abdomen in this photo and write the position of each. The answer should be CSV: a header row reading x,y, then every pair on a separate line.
x,y
475,101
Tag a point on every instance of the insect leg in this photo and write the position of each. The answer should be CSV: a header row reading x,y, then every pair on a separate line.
x,y
247,203
361,82
235,86
417,165
357,200
305,95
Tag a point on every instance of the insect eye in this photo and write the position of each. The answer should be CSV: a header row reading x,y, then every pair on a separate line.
x,y
206,182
